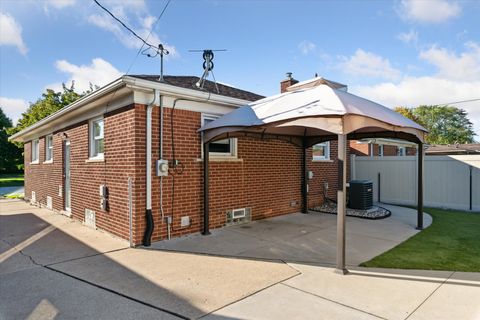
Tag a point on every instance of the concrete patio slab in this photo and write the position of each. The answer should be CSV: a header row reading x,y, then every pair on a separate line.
x,y
48,237
192,285
458,298
40,293
284,302
309,238
390,294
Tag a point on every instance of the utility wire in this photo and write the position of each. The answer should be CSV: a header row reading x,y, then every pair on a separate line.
x,y
455,102
148,36
123,24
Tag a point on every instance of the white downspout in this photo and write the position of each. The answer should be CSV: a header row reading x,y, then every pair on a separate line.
x,y
148,212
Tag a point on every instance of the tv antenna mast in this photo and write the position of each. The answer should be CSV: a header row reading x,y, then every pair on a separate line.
x,y
207,66
160,51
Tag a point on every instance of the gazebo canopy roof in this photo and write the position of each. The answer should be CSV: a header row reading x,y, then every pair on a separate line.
x,y
314,114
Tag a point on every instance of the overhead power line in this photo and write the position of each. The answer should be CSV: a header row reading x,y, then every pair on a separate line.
x,y
158,49
123,24
463,101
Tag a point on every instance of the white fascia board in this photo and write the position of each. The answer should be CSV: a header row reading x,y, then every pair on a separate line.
x,y
170,90
388,142
43,125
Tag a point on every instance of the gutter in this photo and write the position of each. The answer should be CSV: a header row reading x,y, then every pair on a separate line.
x,y
115,85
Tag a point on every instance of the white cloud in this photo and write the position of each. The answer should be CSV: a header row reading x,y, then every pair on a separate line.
x,y
409,38
450,65
13,108
58,4
426,90
142,23
306,47
368,64
11,33
99,72
457,78
431,11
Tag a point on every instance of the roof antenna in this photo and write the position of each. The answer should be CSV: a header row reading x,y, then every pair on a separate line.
x,y
207,67
158,51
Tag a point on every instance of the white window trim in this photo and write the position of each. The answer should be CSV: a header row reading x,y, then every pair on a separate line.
x,y
36,145
91,150
402,150
380,150
322,158
233,142
47,148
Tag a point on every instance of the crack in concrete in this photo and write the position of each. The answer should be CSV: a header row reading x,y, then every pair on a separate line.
x,y
431,294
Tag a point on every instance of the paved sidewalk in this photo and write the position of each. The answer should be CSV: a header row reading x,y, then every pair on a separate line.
x,y
52,267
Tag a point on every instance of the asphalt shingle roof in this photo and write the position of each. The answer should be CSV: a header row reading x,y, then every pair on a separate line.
x,y
189,82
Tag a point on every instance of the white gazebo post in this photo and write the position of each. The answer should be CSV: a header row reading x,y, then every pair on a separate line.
x,y
341,203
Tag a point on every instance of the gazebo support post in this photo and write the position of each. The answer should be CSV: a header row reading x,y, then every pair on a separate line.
x,y
420,187
206,196
341,203
304,178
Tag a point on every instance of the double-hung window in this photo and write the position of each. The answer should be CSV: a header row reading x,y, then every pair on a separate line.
x,y
35,150
49,148
220,148
401,151
96,138
380,150
321,151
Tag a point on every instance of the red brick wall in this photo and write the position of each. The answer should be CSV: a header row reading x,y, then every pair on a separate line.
x,y
86,177
363,149
266,177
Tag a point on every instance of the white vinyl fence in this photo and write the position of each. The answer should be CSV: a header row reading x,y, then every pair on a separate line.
x,y
446,180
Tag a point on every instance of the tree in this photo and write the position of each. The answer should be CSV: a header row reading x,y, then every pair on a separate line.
x,y
446,124
10,155
49,103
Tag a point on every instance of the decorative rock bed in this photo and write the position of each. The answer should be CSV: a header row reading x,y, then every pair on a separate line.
x,y
373,213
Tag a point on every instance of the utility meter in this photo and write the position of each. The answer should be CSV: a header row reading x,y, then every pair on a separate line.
x,y
162,168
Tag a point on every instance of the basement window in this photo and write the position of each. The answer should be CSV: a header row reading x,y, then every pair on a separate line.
x,y
35,150
220,148
49,148
96,138
321,151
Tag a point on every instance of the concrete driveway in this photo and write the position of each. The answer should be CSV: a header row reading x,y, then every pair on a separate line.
x,y
309,238
54,268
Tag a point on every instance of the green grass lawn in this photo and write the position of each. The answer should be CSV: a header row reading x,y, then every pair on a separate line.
x,y
11,180
452,242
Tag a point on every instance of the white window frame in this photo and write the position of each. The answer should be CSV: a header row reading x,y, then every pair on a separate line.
x,y
233,141
402,151
49,149
326,157
92,138
380,150
35,156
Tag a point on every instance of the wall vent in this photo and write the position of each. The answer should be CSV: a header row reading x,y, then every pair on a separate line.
x,y
49,203
33,198
90,218
238,216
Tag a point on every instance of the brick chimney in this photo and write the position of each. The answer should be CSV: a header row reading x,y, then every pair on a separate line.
x,y
287,82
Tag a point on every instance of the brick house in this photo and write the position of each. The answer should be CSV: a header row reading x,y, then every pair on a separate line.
x,y
89,161
381,147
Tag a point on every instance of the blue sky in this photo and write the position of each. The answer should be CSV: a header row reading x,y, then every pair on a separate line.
x,y
393,52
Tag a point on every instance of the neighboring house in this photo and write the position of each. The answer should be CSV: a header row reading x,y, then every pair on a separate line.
x,y
382,147
80,160
452,149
